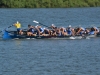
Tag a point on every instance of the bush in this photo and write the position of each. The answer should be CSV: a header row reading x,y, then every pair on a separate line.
x,y
48,3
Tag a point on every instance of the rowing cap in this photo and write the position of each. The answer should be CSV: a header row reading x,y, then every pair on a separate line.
x,y
17,22
69,26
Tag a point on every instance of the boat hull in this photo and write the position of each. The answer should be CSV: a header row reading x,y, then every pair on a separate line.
x,y
14,35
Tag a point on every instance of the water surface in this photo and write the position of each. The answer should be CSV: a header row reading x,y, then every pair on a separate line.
x,y
48,56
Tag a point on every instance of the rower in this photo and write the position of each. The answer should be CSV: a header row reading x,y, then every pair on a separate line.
x,y
46,32
53,32
53,26
70,30
81,31
31,31
41,30
94,31
63,31
58,32
18,26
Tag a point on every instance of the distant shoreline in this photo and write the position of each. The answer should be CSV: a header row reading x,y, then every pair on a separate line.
x,y
49,3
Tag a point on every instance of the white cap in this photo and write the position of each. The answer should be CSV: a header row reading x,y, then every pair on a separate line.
x,y
17,22
69,26
53,25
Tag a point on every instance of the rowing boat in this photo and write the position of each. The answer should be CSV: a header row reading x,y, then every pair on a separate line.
x,y
14,35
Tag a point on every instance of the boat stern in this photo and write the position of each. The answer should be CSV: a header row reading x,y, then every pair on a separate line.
x,y
6,35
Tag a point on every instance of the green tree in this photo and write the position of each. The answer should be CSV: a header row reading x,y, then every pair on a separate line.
x,y
48,3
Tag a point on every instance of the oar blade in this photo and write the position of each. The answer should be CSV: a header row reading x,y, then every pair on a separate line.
x,y
35,21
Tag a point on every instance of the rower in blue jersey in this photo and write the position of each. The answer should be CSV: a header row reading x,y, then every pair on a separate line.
x,y
81,31
63,31
41,30
46,32
70,30
58,32
94,31
31,31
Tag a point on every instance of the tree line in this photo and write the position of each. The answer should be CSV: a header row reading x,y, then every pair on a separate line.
x,y
48,3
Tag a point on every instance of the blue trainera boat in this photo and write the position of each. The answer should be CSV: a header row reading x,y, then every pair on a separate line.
x,y
14,35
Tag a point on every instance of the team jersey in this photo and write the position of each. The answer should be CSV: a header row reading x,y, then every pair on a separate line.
x,y
69,31
92,33
41,29
31,30
18,25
